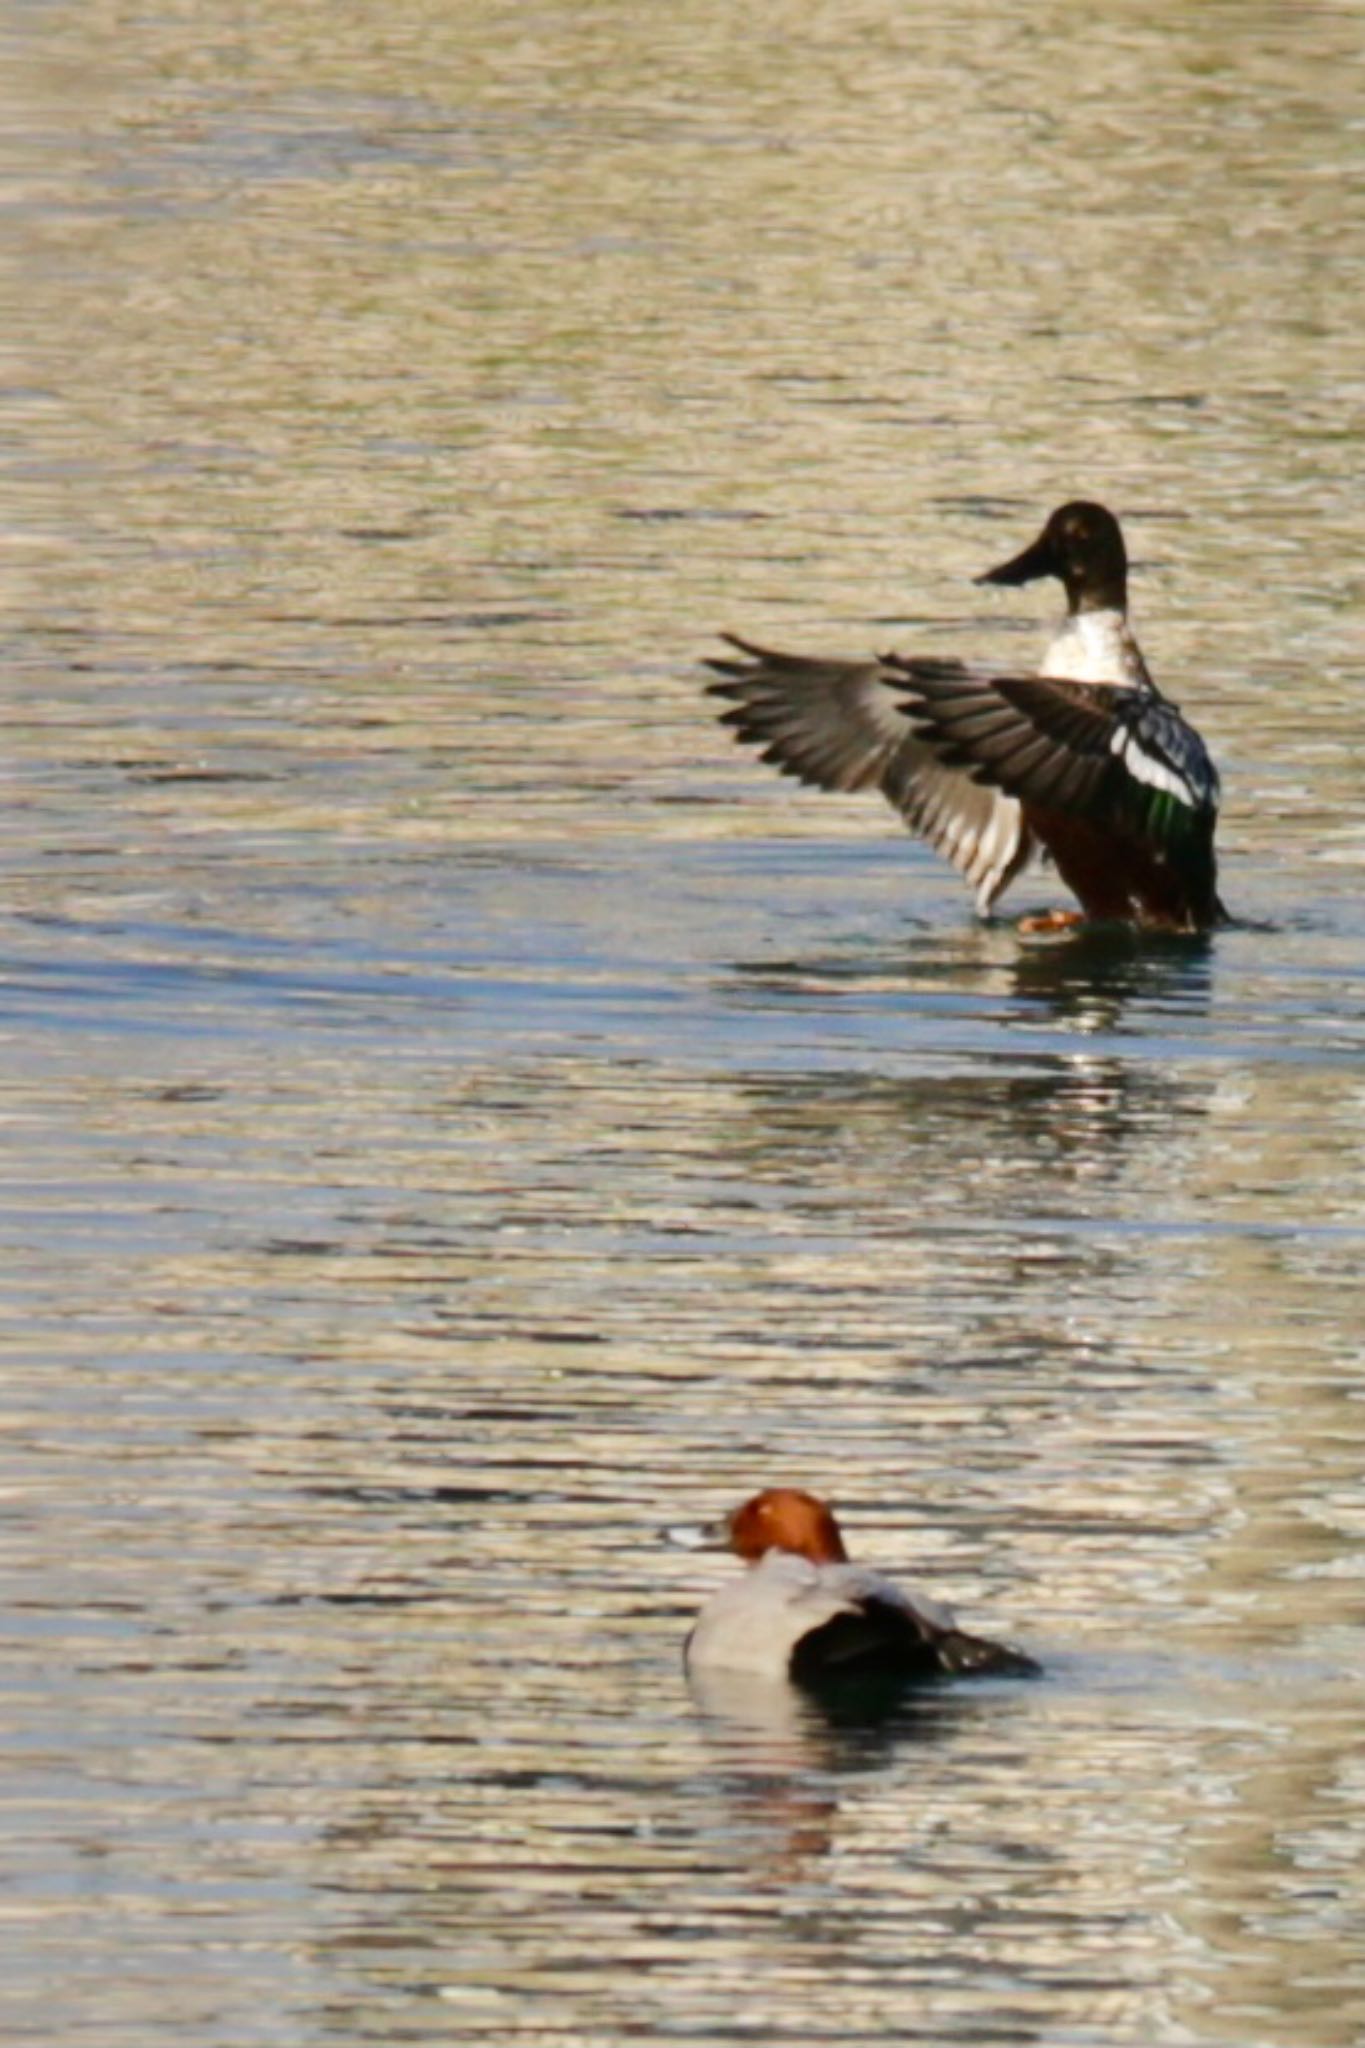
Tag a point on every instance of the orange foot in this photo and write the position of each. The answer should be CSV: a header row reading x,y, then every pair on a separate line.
x,y
1052,921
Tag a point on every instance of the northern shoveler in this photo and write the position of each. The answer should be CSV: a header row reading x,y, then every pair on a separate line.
x,y
803,1612
1083,760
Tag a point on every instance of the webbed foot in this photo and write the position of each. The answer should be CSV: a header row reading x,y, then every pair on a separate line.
x,y
1051,921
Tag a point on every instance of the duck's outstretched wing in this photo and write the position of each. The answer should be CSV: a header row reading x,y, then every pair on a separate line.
x,y
1121,761
841,725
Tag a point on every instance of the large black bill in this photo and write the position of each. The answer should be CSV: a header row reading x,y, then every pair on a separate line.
x,y
1035,561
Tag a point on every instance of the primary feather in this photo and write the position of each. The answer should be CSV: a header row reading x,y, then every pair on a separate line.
x,y
841,725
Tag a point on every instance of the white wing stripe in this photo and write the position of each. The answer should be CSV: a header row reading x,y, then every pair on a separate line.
x,y
1144,767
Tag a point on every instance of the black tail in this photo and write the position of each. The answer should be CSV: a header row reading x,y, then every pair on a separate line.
x,y
967,1656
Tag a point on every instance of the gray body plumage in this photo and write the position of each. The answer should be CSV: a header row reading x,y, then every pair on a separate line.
x,y
788,1617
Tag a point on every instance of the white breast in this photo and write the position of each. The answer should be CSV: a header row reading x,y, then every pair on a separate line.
x,y
1096,647
756,1622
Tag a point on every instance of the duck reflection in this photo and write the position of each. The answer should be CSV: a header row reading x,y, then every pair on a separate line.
x,y
837,1726
1018,1132
787,1756
1102,1006
988,975
1091,978
988,1142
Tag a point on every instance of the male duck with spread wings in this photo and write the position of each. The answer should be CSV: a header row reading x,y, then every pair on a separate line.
x,y
1083,760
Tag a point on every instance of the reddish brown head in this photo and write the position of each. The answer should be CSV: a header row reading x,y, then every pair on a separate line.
x,y
784,1518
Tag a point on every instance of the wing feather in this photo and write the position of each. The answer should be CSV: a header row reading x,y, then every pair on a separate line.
x,y
1108,749
841,725
1116,757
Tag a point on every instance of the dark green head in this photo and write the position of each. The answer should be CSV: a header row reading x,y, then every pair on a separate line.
x,y
1081,546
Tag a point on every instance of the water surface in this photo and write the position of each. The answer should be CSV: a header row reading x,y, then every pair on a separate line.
x,y
465,1114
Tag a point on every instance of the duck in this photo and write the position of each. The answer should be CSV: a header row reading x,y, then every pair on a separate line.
x,y
1081,761
803,1613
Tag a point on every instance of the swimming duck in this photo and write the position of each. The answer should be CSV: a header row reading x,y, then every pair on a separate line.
x,y
803,1612
1083,759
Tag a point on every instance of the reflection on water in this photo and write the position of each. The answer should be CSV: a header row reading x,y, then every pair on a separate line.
x,y
463,1115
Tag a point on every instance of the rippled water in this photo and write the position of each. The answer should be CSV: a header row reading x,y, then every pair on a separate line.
x,y
465,1114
